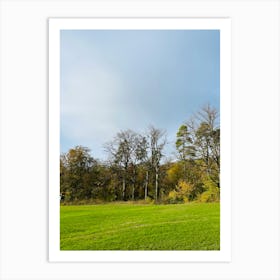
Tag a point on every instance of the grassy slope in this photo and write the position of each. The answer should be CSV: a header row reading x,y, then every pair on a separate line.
x,y
141,227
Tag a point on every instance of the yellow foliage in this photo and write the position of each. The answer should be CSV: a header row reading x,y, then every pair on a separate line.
x,y
174,173
173,195
212,195
181,194
184,188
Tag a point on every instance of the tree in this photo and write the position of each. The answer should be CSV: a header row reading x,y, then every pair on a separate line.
x,y
175,172
205,134
137,156
135,167
121,153
157,142
76,173
208,141
141,155
184,145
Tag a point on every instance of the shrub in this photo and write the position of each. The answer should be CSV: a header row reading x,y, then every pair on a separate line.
x,y
210,196
174,197
185,190
182,193
212,193
149,200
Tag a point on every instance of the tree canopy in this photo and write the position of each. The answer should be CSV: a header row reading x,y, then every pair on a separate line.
x,y
137,169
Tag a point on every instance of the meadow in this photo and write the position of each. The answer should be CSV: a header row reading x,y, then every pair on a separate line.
x,y
129,226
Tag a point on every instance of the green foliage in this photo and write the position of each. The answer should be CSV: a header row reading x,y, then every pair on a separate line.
x,y
130,226
184,143
135,169
77,170
212,193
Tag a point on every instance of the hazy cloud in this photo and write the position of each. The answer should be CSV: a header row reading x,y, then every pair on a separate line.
x,y
115,80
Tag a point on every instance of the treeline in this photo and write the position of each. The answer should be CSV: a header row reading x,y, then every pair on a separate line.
x,y
137,168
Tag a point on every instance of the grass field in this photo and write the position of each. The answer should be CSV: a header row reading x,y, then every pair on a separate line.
x,y
123,226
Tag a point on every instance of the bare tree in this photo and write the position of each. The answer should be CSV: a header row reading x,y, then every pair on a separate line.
x,y
157,141
120,151
204,131
141,155
138,154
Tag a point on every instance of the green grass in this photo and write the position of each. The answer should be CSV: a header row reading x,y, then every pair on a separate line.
x,y
120,226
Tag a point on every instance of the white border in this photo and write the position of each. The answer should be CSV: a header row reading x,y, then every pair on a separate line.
x,y
222,24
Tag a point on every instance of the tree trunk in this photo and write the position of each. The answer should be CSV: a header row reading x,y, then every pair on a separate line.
x,y
156,190
134,183
185,171
146,184
123,189
133,191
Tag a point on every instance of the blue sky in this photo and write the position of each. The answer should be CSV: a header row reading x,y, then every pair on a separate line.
x,y
130,79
